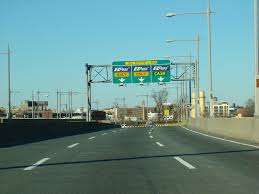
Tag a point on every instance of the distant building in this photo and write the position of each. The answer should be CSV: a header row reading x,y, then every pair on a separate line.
x,y
37,105
38,108
153,116
221,109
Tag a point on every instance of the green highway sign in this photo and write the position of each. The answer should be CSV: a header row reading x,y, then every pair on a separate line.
x,y
161,73
148,71
141,74
121,74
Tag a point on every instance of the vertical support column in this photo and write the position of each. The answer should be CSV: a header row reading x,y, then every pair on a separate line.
x,y
38,100
32,104
210,61
88,92
57,111
256,20
60,108
147,106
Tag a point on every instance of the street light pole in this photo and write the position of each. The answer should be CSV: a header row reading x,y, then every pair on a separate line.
x,y
9,83
197,73
256,113
210,65
8,53
146,104
208,13
197,69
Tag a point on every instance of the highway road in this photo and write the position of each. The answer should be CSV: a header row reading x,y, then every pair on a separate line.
x,y
158,160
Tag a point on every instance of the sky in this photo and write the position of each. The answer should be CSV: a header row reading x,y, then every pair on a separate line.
x,y
51,40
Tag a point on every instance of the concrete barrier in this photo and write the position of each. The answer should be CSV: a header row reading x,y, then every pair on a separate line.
x,y
22,131
246,129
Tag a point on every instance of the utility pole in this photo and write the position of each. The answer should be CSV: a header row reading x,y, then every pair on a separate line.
x,y
60,94
57,111
9,83
8,53
71,101
32,104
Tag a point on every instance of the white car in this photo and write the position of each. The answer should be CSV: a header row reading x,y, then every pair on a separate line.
x,y
124,126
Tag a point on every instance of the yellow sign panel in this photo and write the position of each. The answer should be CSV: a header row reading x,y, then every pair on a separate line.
x,y
121,74
166,112
141,74
159,73
140,62
257,83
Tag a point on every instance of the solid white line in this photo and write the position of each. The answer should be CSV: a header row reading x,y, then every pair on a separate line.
x,y
161,145
231,141
104,134
151,136
91,137
73,145
37,164
188,165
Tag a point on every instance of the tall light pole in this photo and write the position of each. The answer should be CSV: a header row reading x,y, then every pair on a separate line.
x,y
71,101
208,13
256,113
124,107
197,69
145,95
8,53
190,61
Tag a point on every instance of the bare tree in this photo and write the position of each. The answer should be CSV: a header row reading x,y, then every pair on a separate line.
x,y
160,98
250,107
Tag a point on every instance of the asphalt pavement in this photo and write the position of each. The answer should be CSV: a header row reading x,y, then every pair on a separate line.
x,y
154,160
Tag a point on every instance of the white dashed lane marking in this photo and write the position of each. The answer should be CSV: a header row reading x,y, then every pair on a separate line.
x,y
73,145
36,164
159,144
183,162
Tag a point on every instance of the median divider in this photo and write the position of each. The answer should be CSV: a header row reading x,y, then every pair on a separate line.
x,y
23,131
246,129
